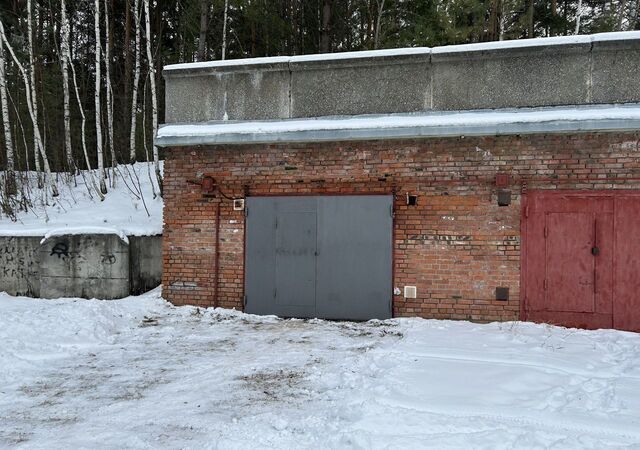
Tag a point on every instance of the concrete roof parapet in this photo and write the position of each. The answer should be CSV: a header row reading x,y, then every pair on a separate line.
x,y
567,70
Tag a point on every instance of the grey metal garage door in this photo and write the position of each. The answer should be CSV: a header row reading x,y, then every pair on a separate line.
x,y
324,256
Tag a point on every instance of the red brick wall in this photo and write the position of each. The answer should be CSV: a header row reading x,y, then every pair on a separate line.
x,y
457,245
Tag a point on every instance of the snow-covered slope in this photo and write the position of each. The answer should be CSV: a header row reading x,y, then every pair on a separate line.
x,y
78,209
140,373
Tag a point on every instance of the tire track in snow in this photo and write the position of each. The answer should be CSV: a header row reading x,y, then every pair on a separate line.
x,y
576,428
503,362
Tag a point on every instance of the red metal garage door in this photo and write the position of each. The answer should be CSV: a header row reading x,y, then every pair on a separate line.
x,y
581,259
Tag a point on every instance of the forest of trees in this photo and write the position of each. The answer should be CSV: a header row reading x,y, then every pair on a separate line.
x,y
81,84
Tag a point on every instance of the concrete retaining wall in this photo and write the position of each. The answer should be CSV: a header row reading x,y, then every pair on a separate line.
x,y
87,266
580,70
145,263
20,265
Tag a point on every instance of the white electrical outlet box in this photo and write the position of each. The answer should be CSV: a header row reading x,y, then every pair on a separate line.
x,y
238,204
410,292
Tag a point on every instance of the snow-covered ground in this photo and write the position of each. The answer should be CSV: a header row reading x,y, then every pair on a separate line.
x,y
140,373
129,208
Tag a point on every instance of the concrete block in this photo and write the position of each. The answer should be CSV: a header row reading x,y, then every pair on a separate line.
x,y
616,71
91,265
241,93
511,77
101,288
361,86
145,263
19,265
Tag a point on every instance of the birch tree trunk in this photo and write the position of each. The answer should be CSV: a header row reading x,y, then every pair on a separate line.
x,y
32,72
107,64
136,82
578,16
83,132
99,151
154,97
71,166
30,102
621,10
636,15
224,29
127,51
10,187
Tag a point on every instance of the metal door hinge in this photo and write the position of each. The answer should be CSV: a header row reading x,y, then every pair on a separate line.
x,y
246,211
245,300
526,211
275,293
545,284
546,231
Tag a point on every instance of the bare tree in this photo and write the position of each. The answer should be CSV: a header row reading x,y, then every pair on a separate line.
x,y
633,21
32,72
30,103
621,11
204,28
10,187
99,151
530,20
109,96
224,29
376,40
71,167
127,51
325,33
154,97
136,82
493,27
578,16
83,132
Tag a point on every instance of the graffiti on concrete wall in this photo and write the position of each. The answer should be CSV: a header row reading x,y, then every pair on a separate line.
x,y
109,259
60,249
16,261
72,256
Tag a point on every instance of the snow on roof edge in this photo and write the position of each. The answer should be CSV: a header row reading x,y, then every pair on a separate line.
x,y
482,46
84,230
40,232
446,123
430,118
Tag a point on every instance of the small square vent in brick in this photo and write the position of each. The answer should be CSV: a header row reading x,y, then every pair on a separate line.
x,y
410,292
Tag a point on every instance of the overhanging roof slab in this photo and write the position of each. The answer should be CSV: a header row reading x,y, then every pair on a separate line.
x,y
550,120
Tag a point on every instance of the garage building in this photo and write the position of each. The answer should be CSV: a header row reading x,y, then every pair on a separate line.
x,y
485,182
